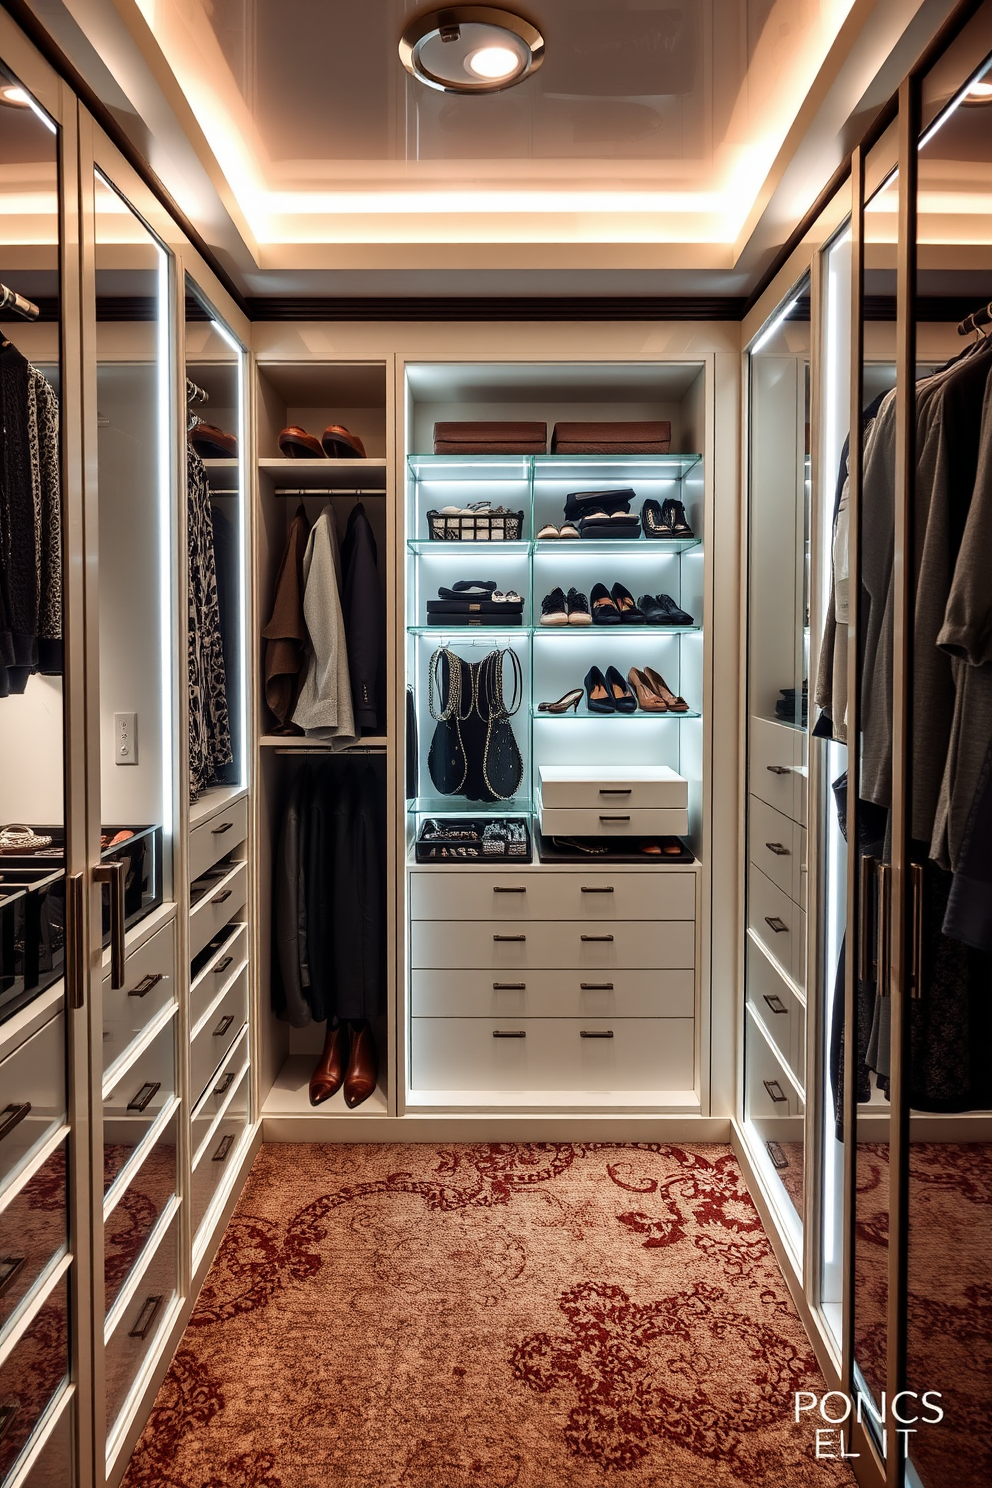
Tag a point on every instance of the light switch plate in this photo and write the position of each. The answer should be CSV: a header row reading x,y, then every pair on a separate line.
x,y
125,738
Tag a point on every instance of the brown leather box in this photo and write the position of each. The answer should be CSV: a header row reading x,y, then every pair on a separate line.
x,y
490,438
647,437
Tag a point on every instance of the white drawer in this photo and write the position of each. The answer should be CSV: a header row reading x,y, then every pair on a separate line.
x,y
776,1006
773,1104
552,1054
614,821
215,1097
137,1097
141,1329
553,994
543,895
149,983
605,788
779,924
215,837
32,1095
777,846
598,945
216,1161
219,1029
222,900
230,951
777,766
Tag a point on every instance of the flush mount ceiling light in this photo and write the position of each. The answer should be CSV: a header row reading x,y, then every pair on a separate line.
x,y
14,96
980,93
471,49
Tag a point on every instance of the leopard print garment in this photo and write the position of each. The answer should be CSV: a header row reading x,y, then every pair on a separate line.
x,y
209,722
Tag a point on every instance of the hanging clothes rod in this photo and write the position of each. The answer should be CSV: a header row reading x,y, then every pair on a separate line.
x,y
226,491
972,322
14,304
327,752
195,394
321,491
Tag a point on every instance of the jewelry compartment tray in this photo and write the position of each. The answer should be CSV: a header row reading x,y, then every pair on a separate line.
x,y
452,843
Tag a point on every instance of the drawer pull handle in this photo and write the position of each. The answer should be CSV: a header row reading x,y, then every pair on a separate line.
x,y
775,1002
615,790
224,827
222,965
778,849
219,898
595,986
9,1267
614,818
146,984
147,1315
226,1143
509,888
147,1092
114,875
509,986
223,1025
12,1116
595,937
509,1033
778,1157
596,889
7,1414
595,1033
225,1084
776,924
775,1090
509,937
779,769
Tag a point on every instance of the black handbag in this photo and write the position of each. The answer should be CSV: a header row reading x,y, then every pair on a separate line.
x,y
502,763
447,761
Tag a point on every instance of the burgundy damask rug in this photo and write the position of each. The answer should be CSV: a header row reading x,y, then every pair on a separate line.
x,y
483,1316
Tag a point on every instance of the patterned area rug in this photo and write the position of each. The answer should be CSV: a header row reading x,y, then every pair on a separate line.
x,y
485,1316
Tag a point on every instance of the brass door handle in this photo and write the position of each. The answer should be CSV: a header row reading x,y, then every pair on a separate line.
x,y
143,1322
595,1033
12,1116
146,984
114,875
509,1033
775,1090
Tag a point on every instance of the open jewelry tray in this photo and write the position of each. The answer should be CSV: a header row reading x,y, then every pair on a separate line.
x,y
617,850
457,849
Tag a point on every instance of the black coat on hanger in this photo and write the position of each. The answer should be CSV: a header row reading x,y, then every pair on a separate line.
x,y
361,602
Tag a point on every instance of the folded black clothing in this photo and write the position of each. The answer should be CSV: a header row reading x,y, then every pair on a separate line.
x,y
618,500
474,606
478,588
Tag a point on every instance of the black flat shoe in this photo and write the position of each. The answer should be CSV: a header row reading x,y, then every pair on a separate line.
x,y
654,520
598,695
624,601
673,512
604,607
661,609
623,699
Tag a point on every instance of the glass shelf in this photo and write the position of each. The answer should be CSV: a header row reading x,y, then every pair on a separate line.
x,y
618,547
469,467
471,632
583,714
459,806
554,467
605,631
519,549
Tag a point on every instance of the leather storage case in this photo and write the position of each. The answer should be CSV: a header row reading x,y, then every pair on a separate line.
x,y
488,438
644,437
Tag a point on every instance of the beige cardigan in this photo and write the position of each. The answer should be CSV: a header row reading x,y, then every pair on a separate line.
x,y
324,708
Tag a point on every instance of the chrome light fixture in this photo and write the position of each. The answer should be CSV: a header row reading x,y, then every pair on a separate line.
x,y
471,49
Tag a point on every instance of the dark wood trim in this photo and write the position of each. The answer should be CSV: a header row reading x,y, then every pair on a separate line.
x,y
792,242
495,307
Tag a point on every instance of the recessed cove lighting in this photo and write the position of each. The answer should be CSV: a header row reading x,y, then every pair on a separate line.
x,y
471,49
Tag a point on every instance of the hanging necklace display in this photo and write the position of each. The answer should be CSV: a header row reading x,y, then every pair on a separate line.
x,y
447,760
502,763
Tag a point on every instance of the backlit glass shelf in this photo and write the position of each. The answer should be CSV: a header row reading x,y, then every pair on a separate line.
x,y
459,806
584,715
472,549
604,632
600,547
552,467
471,632
469,467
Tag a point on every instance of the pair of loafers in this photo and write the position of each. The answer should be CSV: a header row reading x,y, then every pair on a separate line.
x,y
349,1059
336,443
212,443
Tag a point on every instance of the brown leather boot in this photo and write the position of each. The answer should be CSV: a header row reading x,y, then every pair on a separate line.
x,y
329,1070
363,1066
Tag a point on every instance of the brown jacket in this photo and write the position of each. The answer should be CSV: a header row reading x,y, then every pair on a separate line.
x,y
286,632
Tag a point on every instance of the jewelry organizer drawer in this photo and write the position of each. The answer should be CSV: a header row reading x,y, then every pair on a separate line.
x,y
138,1096
217,1030
773,1104
129,1224
149,983
777,846
221,897
553,994
216,1161
590,1054
141,1327
214,838
32,1095
552,896
224,954
32,1374
612,788
614,821
506,945
779,924
33,1228
214,1098
777,1009
777,767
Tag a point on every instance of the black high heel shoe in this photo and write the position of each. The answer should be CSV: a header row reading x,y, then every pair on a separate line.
x,y
598,693
623,699
624,601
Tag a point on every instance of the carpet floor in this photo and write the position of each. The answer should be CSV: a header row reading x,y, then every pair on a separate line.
x,y
490,1316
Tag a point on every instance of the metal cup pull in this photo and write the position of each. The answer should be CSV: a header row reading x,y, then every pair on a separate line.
x,y
595,1033
223,1025
146,984
149,1312
12,1116
219,830
222,965
509,937
226,1143
225,1084
778,848
147,1092
775,1091
219,898
595,937
776,924
9,1267
509,1033
775,1002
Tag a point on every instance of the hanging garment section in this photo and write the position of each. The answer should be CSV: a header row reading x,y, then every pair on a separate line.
x,y
330,925
210,748
951,742
30,524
